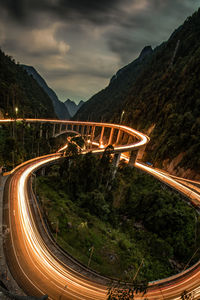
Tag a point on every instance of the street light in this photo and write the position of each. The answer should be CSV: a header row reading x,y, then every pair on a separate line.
x,y
16,110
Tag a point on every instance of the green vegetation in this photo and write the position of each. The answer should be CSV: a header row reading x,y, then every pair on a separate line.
x,y
123,223
20,141
18,89
21,96
166,93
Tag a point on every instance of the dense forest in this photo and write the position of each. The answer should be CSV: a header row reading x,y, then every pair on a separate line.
x,y
101,105
165,96
20,141
124,220
21,96
21,91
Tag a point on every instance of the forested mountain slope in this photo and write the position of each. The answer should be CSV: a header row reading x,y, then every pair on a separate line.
x,y
59,107
18,89
166,94
101,105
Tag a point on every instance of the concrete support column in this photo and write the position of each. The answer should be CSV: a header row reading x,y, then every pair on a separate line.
x,y
130,139
72,126
132,158
43,171
101,137
140,153
54,129
115,163
60,128
40,130
47,133
88,130
77,128
92,134
82,130
66,126
118,136
111,136
116,159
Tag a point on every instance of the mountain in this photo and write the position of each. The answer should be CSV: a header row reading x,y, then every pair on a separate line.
x,y
21,91
98,107
59,107
72,106
163,100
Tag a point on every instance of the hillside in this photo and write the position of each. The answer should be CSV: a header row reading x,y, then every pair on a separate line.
x,y
59,107
100,105
72,106
165,94
17,89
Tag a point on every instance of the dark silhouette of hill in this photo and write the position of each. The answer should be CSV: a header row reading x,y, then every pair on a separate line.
x,y
164,95
100,105
72,106
59,107
19,90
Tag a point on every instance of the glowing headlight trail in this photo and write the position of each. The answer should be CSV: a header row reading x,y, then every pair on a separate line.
x,y
41,259
54,269
37,262
172,182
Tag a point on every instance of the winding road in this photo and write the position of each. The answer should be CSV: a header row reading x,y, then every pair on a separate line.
x,y
38,271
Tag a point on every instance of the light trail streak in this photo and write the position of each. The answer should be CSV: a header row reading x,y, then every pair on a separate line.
x,y
36,247
38,263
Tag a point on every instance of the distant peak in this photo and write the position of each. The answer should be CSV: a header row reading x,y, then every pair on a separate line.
x,y
68,101
145,51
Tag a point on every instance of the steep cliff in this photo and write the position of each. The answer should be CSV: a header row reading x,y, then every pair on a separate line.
x,y
59,107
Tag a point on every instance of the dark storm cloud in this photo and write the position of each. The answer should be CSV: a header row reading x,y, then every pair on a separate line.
x,y
152,25
15,7
79,44
94,11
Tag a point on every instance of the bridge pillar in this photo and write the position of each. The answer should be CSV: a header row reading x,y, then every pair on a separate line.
x,y
66,126
47,134
118,137
130,139
40,130
72,126
101,137
82,130
88,131
43,171
115,163
92,134
116,159
111,136
132,158
77,128
54,129
60,128
140,153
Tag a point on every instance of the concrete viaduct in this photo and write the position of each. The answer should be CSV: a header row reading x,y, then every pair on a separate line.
x,y
99,135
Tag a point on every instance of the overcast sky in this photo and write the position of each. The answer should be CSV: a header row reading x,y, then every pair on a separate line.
x,y
77,45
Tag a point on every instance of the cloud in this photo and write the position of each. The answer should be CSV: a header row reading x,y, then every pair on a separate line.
x,y
93,11
77,45
147,23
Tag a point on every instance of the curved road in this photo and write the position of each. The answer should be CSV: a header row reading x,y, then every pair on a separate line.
x,y
39,272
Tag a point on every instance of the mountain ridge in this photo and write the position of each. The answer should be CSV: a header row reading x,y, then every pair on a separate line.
x,y
72,106
164,95
19,90
59,107
117,90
